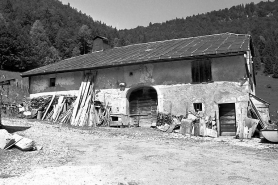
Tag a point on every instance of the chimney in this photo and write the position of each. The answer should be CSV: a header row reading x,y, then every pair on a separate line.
x,y
100,44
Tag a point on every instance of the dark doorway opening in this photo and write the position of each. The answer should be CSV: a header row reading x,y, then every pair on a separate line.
x,y
143,105
227,118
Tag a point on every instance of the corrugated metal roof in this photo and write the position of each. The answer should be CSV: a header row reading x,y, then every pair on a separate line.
x,y
150,52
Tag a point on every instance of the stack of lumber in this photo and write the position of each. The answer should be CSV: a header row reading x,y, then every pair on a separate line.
x,y
84,111
56,112
82,106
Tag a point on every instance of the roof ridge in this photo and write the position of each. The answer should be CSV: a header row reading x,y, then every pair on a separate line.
x,y
181,39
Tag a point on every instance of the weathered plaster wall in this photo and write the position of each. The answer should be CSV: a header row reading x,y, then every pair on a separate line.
x,y
165,73
150,74
228,68
64,82
181,96
169,73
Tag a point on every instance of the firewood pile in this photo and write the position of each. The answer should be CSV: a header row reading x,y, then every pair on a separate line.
x,y
80,111
44,101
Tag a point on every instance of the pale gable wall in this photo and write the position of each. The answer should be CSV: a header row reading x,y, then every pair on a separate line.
x,y
228,68
64,82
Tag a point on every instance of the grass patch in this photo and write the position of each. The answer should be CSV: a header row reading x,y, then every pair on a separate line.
x,y
267,89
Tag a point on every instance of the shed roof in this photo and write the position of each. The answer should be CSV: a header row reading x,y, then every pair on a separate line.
x,y
176,49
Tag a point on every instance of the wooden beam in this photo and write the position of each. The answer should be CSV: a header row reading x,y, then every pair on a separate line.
x,y
48,106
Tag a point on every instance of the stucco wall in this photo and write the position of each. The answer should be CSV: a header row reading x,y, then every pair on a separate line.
x,y
165,73
169,73
228,68
176,98
64,82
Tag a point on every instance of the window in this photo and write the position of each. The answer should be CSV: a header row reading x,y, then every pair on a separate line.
x,y
198,107
52,82
201,71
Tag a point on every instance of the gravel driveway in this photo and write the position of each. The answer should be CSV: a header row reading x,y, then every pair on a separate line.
x,y
134,156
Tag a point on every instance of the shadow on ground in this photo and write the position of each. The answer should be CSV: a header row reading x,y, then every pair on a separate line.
x,y
13,129
263,140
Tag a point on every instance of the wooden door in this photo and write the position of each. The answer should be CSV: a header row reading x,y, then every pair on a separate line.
x,y
143,101
227,118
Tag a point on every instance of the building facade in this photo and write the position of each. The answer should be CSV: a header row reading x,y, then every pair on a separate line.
x,y
212,74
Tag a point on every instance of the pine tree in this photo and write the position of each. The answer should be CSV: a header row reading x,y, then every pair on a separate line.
x,y
275,71
257,60
268,65
85,39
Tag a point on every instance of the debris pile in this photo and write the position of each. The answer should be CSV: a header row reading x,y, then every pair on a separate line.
x,y
192,124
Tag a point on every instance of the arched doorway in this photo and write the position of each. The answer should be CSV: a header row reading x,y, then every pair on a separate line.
x,y
143,101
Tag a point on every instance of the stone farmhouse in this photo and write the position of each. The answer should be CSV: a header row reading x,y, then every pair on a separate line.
x,y
213,74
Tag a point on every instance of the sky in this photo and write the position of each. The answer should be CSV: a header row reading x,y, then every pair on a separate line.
x,y
127,14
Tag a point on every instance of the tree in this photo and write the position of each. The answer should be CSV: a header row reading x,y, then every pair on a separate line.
x,y
268,65
8,7
75,51
46,53
84,38
2,21
52,56
38,34
257,59
16,52
275,71
64,43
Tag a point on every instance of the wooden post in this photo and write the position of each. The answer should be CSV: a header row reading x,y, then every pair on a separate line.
x,y
241,125
217,122
1,126
48,107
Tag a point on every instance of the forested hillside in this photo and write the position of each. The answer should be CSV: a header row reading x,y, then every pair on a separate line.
x,y
260,20
39,32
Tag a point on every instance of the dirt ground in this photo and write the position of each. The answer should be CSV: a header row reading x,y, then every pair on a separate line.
x,y
133,156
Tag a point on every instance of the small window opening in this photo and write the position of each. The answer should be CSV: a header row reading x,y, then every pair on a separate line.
x,y
131,74
52,82
115,118
198,107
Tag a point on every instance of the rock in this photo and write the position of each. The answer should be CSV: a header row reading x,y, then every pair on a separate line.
x,y
191,117
27,113
5,138
211,132
23,143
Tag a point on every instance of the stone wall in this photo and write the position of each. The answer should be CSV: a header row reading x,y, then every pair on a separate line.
x,y
176,98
